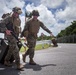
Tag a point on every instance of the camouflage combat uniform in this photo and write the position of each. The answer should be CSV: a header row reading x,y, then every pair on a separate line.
x,y
13,48
30,32
14,22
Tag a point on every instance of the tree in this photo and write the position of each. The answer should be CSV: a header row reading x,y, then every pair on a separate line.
x,y
69,30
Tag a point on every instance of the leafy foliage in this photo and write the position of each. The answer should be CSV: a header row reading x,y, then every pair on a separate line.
x,y
69,30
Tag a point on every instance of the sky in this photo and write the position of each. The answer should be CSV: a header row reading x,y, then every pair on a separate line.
x,y
55,14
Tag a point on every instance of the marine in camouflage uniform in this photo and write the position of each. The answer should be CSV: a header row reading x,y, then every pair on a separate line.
x,y
12,24
30,31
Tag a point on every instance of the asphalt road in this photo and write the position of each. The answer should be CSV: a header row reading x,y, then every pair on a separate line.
x,y
59,60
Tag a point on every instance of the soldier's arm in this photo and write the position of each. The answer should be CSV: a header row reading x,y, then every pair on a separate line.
x,y
45,28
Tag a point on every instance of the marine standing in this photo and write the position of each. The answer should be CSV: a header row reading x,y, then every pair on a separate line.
x,y
30,31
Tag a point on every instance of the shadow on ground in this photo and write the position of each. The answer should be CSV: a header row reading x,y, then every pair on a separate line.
x,y
13,71
8,70
37,67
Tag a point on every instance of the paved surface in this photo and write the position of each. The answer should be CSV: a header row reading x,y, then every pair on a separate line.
x,y
59,60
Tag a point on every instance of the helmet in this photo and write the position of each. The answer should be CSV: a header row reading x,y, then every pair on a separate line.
x,y
17,10
35,13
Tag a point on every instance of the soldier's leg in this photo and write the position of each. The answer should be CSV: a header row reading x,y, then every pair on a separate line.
x,y
17,57
25,54
15,51
10,51
32,51
31,43
8,56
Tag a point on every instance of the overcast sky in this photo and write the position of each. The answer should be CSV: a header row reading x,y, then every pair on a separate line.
x,y
55,14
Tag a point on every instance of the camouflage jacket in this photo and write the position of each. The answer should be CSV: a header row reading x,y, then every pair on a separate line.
x,y
10,23
32,28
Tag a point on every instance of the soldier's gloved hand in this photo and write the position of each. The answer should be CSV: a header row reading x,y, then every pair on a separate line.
x,y
8,32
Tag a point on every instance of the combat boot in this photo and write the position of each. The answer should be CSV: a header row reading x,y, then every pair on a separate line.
x,y
24,58
20,67
7,63
31,62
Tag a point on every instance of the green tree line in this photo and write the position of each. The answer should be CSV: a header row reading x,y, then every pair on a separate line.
x,y
70,30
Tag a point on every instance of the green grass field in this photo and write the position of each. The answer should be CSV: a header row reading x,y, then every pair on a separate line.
x,y
38,47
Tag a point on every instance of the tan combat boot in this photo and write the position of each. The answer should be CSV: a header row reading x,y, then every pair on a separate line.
x,y
31,62
20,66
7,63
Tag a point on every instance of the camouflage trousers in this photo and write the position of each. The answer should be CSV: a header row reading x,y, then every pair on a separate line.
x,y
31,46
13,49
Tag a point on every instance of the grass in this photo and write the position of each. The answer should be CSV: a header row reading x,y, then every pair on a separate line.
x,y
23,49
38,47
41,46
